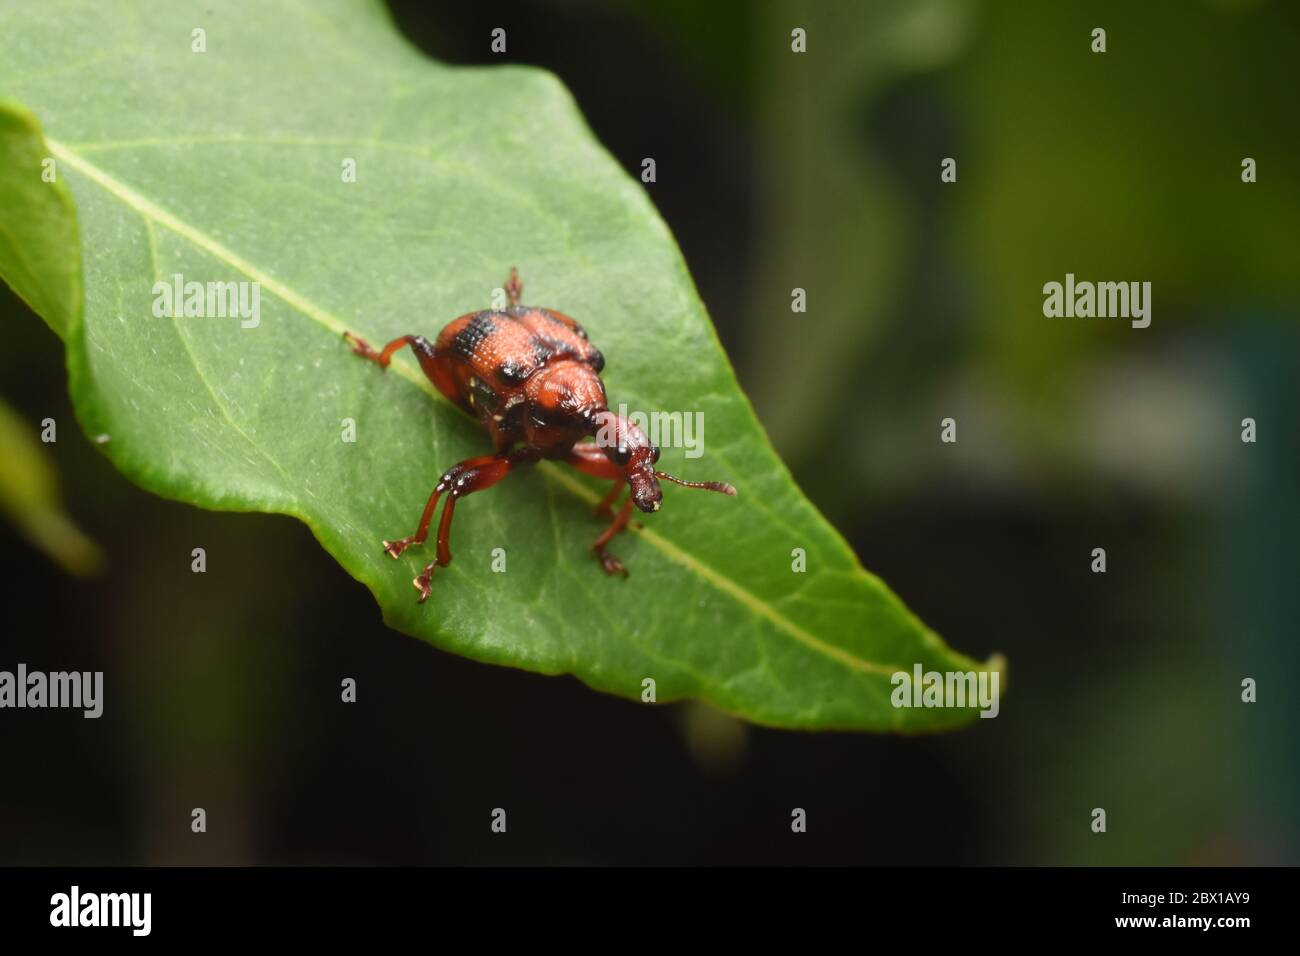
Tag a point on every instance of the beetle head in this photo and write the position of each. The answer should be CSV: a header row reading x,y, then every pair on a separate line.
x,y
628,447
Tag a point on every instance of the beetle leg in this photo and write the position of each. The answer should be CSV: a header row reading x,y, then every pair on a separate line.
x,y
590,460
606,507
421,346
609,562
464,478
513,287
394,549
442,557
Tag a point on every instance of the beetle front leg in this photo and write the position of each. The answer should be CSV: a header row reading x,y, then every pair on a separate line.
x,y
394,549
605,509
423,581
610,563
590,460
464,478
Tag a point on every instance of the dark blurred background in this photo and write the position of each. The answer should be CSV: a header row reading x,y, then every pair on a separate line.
x,y
775,171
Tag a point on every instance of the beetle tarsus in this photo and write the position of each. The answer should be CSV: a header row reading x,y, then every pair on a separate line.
x,y
394,549
423,583
367,351
609,562
514,288
360,346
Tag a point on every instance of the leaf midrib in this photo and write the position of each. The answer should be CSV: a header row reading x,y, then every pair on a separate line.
x,y
150,211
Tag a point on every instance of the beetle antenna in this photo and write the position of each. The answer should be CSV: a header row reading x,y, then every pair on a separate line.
x,y
721,486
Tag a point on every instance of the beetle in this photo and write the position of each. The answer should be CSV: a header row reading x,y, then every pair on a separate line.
x,y
532,379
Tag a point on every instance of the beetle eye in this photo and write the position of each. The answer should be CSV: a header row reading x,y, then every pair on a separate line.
x,y
621,455
655,456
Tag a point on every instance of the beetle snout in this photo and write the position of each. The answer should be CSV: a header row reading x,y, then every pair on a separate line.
x,y
646,493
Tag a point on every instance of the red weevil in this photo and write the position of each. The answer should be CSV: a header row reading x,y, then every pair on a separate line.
x,y
532,379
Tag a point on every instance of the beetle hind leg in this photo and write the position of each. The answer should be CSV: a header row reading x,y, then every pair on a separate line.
x,y
513,288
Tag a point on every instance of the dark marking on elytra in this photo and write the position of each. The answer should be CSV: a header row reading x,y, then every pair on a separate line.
x,y
476,331
512,373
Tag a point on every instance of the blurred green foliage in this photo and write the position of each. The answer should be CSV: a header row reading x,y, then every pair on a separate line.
x,y
29,497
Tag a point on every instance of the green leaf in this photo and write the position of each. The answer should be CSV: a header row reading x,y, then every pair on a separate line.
x,y
226,165
39,251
